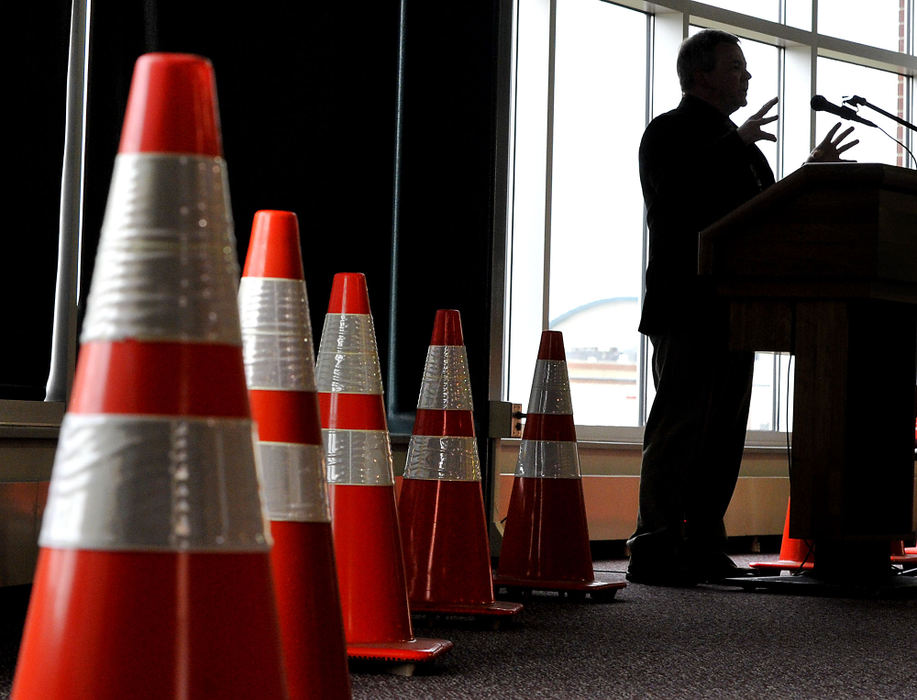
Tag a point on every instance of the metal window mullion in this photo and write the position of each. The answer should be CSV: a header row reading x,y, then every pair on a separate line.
x,y
391,383
67,289
778,390
909,81
781,160
642,374
781,122
549,163
813,71
504,209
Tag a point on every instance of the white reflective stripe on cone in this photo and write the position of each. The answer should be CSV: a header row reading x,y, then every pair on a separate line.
x,y
358,457
278,353
447,458
166,267
352,365
550,389
548,459
445,385
293,482
148,483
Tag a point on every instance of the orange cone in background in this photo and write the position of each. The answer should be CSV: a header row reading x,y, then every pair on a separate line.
x,y
799,555
154,576
795,554
361,485
441,505
546,538
903,555
280,369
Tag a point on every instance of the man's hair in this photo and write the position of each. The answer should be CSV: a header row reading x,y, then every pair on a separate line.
x,y
698,53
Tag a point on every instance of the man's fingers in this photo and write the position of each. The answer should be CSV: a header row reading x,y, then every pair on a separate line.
x,y
768,120
765,109
844,134
825,141
847,146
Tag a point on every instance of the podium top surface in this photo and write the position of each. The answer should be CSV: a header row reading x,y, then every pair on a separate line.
x,y
838,229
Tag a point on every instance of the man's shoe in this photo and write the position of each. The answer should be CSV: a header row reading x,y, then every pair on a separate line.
x,y
718,566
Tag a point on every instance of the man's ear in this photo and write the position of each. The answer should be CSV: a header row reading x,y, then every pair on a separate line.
x,y
701,79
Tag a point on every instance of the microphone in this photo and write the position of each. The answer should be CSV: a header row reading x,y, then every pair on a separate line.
x,y
820,104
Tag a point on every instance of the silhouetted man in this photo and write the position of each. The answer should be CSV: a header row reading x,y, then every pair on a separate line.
x,y
696,166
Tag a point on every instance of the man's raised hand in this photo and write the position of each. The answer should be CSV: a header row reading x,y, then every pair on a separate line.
x,y
751,130
830,148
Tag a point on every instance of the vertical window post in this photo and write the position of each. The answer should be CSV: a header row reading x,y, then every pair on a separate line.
x,y
67,292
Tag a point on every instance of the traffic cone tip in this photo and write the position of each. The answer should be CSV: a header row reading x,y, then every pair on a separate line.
x,y
447,328
172,107
552,346
349,294
274,248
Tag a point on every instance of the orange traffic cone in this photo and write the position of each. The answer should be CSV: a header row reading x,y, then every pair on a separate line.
x,y
903,555
361,484
546,538
795,554
441,505
799,555
280,369
154,576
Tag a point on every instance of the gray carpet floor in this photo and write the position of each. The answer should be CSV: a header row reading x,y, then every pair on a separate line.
x,y
648,642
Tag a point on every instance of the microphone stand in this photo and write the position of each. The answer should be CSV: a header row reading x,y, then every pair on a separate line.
x,y
856,101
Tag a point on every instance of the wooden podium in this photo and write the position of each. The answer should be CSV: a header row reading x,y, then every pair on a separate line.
x,y
824,265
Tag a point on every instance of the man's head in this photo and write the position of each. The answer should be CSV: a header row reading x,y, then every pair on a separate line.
x,y
712,66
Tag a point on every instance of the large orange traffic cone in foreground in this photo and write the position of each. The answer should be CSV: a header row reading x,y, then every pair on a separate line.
x,y
441,505
361,484
546,538
280,369
799,555
154,576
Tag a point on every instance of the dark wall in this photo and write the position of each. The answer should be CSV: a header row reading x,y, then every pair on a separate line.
x,y
307,108
309,104
445,207
34,54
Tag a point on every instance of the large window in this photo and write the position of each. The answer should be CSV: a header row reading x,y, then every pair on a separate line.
x,y
589,75
595,204
842,79
875,23
573,219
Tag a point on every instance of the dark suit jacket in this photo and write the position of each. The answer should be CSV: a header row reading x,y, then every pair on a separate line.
x,y
694,169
